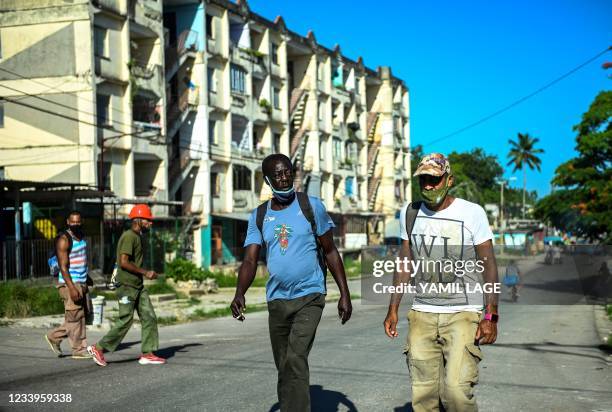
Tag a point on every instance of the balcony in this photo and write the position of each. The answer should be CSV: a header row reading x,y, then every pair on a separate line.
x,y
260,67
342,95
148,18
277,116
245,200
325,166
214,47
147,77
275,70
215,100
114,6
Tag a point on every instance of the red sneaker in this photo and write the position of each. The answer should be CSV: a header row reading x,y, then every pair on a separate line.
x,y
151,359
96,355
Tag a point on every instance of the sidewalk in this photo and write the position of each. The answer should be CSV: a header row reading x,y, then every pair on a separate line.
x,y
169,310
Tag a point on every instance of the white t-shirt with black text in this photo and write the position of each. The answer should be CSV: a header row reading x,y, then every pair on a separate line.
x,y
449,234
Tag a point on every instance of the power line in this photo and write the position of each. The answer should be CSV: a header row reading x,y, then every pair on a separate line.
x,y
20,103
56,88
519,101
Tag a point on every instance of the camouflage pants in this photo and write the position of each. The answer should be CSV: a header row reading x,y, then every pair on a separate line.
x,y
443,360
130,300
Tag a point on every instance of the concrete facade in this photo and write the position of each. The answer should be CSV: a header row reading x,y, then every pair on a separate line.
x,y
82,87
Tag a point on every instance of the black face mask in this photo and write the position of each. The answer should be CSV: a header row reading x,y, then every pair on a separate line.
x,y
76,230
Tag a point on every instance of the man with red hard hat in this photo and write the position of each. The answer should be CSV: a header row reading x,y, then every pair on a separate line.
x,y
131,294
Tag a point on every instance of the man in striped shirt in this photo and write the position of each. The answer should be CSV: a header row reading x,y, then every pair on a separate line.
x,y
71,250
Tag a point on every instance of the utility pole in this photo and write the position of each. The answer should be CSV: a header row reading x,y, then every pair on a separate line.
x,y
502,222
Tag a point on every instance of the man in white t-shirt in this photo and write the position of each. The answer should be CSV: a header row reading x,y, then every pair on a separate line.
x,y
452,240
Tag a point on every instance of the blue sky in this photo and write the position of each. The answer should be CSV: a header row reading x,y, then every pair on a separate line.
x,y
464,60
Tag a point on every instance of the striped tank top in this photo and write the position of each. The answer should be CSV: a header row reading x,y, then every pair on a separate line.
x,y
78,261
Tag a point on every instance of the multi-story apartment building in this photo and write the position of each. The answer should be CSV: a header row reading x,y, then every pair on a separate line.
x,y
344,126
83,90
187,98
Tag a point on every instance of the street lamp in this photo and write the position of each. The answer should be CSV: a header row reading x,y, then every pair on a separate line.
x,y
502,223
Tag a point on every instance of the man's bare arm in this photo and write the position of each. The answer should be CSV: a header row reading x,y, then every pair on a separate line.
x,y
246,274
486,254
336,267
401,276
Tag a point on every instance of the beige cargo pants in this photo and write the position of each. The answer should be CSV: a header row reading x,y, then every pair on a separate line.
x,y
443,360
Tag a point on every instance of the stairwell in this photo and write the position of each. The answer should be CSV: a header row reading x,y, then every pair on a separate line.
x,y
373,151
297,108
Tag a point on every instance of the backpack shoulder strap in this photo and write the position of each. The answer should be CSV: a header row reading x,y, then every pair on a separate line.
x,y
261,214
307,211
411,213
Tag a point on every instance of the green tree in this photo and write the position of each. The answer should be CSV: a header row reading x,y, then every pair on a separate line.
x,y
416,154
475,174
523,153
581,204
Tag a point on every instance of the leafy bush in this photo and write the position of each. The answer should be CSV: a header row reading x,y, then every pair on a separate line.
x,y
22,299
159,288
184,270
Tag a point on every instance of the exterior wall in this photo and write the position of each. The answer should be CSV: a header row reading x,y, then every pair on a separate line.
x,y
55,121
59,122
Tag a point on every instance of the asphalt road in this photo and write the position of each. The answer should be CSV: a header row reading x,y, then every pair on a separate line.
x,y
546,359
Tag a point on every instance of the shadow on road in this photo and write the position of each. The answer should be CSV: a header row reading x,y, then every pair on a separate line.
x,y
169,352
405,408
322,400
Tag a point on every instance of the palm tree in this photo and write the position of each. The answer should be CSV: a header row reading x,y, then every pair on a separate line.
x,y
523,153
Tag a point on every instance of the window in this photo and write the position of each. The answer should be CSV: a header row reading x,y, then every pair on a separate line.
x,y
101,42
276,98
103,109
321,110
348,186
242,178
209,27
215,184
1,114
277,143
237,79
212,135
322,149
212,80
274,53
337,148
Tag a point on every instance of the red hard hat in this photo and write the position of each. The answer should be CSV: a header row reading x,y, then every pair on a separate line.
x,y
141,211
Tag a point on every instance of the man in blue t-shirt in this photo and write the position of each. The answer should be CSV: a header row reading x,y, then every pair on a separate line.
x,y
296,288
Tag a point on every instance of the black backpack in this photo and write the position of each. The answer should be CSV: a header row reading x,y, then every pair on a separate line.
x,y
306,208
411,213
52,261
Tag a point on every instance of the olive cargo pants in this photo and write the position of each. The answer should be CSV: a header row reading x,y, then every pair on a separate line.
x,y
443,360
130,300
293,324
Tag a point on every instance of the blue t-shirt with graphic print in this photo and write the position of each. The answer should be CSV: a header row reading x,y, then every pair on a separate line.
x,y
291,249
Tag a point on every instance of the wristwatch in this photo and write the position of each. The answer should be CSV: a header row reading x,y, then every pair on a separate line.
x,y
493,317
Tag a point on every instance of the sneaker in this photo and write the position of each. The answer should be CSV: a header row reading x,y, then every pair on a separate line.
x,y
151,359
96,355
55,346
81,355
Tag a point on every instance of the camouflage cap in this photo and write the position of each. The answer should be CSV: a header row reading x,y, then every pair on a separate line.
x,y
434,164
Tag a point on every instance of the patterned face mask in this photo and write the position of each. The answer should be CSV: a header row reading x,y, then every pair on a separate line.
x,y
434,197
283,196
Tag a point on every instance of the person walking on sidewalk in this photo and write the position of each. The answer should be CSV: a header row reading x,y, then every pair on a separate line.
x,y
131,294
295,231
446,323
71,252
